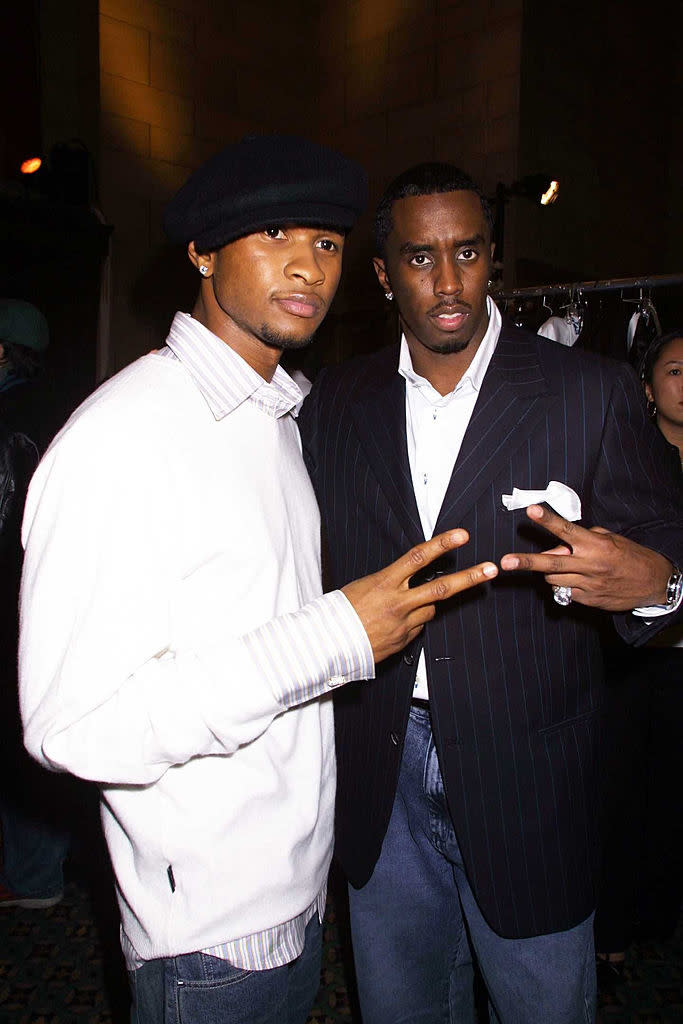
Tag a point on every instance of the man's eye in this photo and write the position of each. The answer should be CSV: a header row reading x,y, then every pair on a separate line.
x,y
274,233
468,255
420,259
328,244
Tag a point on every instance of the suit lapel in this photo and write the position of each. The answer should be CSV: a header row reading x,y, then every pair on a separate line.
x,y
513,398
379,412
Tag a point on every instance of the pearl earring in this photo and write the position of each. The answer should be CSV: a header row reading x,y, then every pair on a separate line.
x,y
204,270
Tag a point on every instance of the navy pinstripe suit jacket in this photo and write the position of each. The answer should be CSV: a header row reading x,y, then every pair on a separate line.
x,y
515,681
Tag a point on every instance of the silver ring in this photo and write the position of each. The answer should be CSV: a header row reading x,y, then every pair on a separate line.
x,y
562,595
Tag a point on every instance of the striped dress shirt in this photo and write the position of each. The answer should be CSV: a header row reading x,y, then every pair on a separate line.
x,y
290,648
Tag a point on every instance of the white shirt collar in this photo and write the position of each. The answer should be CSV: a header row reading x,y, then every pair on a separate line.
x,y
224,378
475,372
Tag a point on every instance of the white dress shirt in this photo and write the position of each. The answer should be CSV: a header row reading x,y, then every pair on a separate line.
x,y
435,427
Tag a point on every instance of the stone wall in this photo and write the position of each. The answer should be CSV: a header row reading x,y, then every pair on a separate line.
x,y
390,82
410,80
178,80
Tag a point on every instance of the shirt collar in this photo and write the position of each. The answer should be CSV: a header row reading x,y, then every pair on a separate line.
x,y
223,377
475,372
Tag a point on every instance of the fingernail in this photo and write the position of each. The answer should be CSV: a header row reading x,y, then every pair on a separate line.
x,y
490,570
510,563
536,509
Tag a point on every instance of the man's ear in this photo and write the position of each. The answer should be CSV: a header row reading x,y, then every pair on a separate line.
x,y
382,275
202,261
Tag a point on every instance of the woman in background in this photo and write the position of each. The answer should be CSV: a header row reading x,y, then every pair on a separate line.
x,y
642,877
662,376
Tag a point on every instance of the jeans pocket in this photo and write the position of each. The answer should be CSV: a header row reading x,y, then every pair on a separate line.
x,y
202,970
212,991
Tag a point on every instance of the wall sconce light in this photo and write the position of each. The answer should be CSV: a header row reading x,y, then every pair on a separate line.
x,y
551,193
30,166
535,187
538,188
67,176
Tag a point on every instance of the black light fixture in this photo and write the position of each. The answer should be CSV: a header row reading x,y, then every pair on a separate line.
x,y
538,188
71,172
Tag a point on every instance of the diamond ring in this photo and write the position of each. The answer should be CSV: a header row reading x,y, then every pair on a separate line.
x,y
562,595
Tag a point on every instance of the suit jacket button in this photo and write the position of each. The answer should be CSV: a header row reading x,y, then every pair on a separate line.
x,y
394,738
409,659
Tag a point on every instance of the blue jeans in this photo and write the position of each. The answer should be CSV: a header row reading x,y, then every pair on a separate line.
x,y
200,989
416,926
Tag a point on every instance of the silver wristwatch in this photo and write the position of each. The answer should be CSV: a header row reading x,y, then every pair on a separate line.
x,y
674,587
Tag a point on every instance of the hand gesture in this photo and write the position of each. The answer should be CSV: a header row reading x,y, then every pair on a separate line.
x,y
603,569
391,611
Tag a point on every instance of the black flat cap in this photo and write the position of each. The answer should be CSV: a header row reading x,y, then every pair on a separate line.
x,y
266,180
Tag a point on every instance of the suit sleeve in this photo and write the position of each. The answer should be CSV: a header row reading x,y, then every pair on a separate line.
x,y
308,422
636,491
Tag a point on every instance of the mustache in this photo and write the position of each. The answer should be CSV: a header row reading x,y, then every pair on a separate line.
x,y
450,307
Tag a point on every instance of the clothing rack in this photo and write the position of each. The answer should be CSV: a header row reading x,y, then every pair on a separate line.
x,y
576,287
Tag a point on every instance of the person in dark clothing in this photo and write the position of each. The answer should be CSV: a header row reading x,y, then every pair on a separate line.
x,y
641,887
33,842
24,338
467,801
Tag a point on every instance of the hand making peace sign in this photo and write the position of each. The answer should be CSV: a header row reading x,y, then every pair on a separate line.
x,y
603,569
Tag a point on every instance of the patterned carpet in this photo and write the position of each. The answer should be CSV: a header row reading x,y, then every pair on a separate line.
x,y
63,965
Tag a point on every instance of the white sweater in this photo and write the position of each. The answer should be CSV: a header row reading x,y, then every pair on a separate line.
x,y
158,539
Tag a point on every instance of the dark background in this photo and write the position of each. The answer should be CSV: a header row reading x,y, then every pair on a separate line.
x,y
134,95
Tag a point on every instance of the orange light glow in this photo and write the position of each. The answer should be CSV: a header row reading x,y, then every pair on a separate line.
x,y
551,195
32,165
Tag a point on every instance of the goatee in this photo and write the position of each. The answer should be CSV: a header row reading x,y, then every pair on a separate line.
x,y
285,342
449,347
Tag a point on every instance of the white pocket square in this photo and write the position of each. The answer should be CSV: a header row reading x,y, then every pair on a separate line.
x,y
563,499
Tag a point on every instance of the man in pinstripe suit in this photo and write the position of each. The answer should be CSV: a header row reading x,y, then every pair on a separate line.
x,y
466,808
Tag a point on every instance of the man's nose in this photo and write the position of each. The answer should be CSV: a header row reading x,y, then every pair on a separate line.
x,y
305,265
449,279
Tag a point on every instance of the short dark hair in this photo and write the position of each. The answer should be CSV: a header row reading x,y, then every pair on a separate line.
x,y
424,180
653,352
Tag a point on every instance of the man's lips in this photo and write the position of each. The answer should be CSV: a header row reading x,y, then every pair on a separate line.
x,y
449,318
300,305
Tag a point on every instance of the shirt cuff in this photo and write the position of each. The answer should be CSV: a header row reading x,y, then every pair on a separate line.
x,y
655,610
311,651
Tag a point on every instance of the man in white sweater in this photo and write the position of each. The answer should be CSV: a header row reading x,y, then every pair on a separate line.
x,y
176,647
